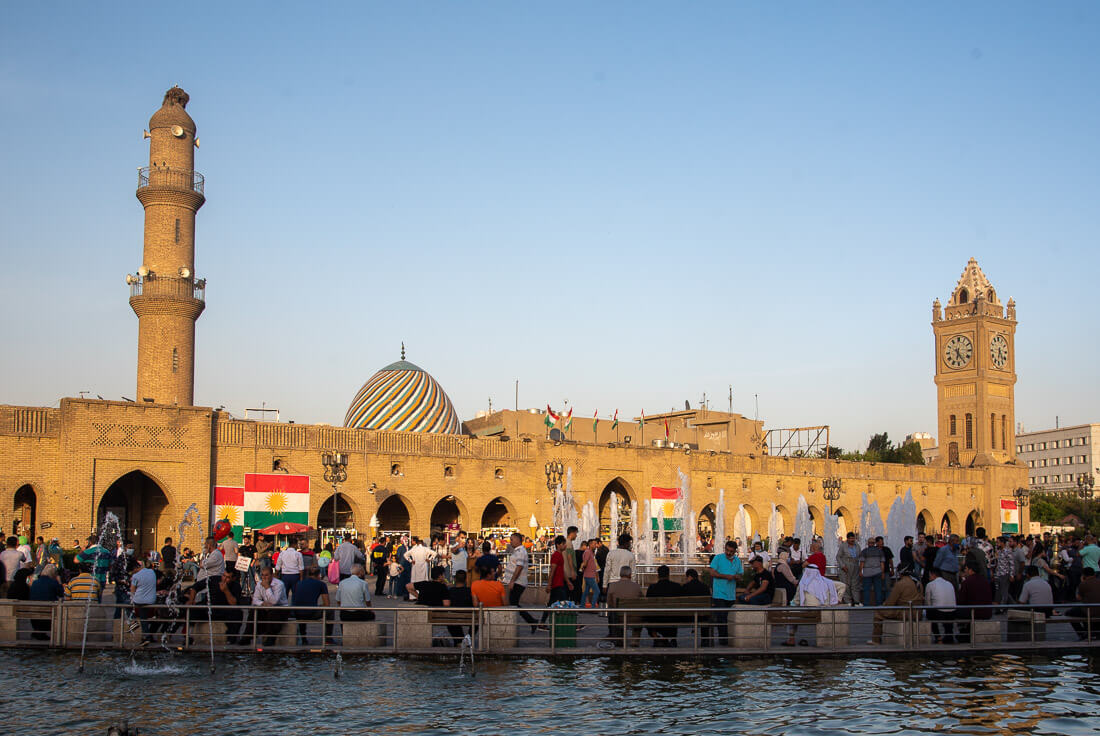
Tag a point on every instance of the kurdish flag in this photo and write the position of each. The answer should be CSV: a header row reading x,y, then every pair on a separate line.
x,y
595,420
641,421
551,418
1010,517
664,498
568,420
229,505
615,420
271,498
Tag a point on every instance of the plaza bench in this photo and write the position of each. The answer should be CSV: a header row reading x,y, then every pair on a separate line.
x,y
671,610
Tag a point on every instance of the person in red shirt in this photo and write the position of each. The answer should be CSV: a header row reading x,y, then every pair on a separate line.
x,y
560,584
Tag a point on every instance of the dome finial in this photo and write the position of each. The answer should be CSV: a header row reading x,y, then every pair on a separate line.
x,y
402,350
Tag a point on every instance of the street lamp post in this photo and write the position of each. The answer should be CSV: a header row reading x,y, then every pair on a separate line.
x,y
1022,495
1085,483
831,491
554,472
336,472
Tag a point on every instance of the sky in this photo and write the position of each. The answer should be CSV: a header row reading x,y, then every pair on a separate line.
x,y
622,205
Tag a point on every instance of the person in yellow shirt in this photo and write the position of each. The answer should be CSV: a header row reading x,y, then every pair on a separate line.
x,y
83,587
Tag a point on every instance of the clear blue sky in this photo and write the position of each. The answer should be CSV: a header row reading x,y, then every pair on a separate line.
x,y
621,204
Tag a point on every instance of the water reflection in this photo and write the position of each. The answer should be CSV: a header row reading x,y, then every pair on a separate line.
x,y
167,694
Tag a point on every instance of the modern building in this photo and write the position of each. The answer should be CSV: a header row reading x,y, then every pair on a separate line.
x,y
1056,458
411,463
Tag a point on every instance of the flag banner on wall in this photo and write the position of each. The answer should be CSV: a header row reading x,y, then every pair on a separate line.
x,y
664,498
229,505
272,498
1010,517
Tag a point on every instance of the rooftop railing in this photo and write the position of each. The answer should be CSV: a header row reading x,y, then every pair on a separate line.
x,y
169,286
169,178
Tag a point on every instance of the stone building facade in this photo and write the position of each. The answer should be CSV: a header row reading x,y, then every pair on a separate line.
x,y
147,461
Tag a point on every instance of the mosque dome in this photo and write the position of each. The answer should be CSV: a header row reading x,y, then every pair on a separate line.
x,y
402,397
172,112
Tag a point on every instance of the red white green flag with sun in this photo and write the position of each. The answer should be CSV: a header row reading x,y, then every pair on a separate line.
x,y
229,505
551,418
273,498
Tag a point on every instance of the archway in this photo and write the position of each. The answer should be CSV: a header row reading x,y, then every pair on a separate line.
x,y
752,524
924,522
140,505
845,522
704,527
949,523
973,521
447,515
25,507
393,516
345,517
499,513
815,524
787,521
624,494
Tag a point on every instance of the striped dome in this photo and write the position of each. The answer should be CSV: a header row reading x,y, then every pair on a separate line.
x,y
403,398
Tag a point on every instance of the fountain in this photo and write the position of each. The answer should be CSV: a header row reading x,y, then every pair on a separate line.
x,y
110,522
901,521
803,524
643,541
775,531
831,539
589,526
741,528
870,520
720,522
191,520
661,550
688,531
613,519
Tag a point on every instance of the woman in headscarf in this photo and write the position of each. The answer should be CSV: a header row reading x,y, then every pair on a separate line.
x,y
19,589
814,589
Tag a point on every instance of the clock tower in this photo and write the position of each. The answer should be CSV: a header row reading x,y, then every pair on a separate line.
x,y
975,373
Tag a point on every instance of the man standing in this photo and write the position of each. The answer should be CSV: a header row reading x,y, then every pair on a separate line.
x,y
872,569
289,567
346,555
99,558
974,590
559,584
1003,572
230,550
1019,562
353,593
515,573
13,559
213,564
847,560
378,563
906,557
617,559
459,556
420,557
724,571
1085,620
167,555
1090,555
573,564
947,561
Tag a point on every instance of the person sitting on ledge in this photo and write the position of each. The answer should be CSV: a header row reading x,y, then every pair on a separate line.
x,y
814,589
1087,592
974,590
762,587
906,592
940,597
693,586
663,636
1037,592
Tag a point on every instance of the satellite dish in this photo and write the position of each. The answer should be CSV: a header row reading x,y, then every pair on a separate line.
x,y
557,435
177,131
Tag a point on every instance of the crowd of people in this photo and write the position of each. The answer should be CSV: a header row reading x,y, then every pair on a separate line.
x,y
945,575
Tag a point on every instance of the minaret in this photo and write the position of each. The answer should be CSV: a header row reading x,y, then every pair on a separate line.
x,y
165,294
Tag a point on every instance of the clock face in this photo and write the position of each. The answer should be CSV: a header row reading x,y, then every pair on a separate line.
x,y
957,351
998,351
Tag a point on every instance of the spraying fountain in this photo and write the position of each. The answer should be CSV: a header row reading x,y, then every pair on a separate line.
x,y
831,538
720,522
689,540
109,534
613,519
803,524
775,530
901,521
741,528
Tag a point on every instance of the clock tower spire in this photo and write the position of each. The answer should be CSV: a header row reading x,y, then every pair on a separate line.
x,y
975,373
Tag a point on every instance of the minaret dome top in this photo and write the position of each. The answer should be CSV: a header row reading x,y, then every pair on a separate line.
x,y
172,111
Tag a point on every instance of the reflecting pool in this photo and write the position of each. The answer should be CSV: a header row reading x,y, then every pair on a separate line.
x,y
165,693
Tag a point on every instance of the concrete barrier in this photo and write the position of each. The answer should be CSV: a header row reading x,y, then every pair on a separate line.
x,y
748,626
833,629
908,634
8,628
413,630
499,630
363,634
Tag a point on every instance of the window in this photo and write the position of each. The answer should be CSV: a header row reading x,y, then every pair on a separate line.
x,y
1031,463
969,432
1043,463
1019,448
953,431
993,432
1031,448
1004,431
953,453
1069,459
499,473
448,471
1083,459
177,229
175,360
1054,444
964,296
1042,445
395,469
1054,460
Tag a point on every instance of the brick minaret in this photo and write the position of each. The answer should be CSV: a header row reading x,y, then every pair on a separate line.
x,y
165,294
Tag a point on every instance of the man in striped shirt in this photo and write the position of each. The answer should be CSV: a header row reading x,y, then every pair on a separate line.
x,y
97,558
83,586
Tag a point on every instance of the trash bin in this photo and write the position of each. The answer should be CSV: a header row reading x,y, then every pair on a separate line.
x,y
565,629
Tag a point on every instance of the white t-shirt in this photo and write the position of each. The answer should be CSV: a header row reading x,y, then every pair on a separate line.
x,y
145,587
798,555
518,558
420,557
12,559
290,562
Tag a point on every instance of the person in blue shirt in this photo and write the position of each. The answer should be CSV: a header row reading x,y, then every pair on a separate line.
x,y
947,561
725,569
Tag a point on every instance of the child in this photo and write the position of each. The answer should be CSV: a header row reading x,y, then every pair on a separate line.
x,y
394,570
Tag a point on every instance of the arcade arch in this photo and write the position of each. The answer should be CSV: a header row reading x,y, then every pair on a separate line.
x,y
499,513
624,494
25,506
345,513
141,505
448,513
394,515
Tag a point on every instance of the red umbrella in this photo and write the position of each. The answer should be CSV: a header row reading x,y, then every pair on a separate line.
x,y
286,527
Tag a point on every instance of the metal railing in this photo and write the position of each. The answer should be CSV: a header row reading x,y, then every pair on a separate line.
x,y
169,286
166,177
739,629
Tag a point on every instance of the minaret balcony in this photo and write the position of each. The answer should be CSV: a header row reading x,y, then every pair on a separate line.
x,y
166,177
167,294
